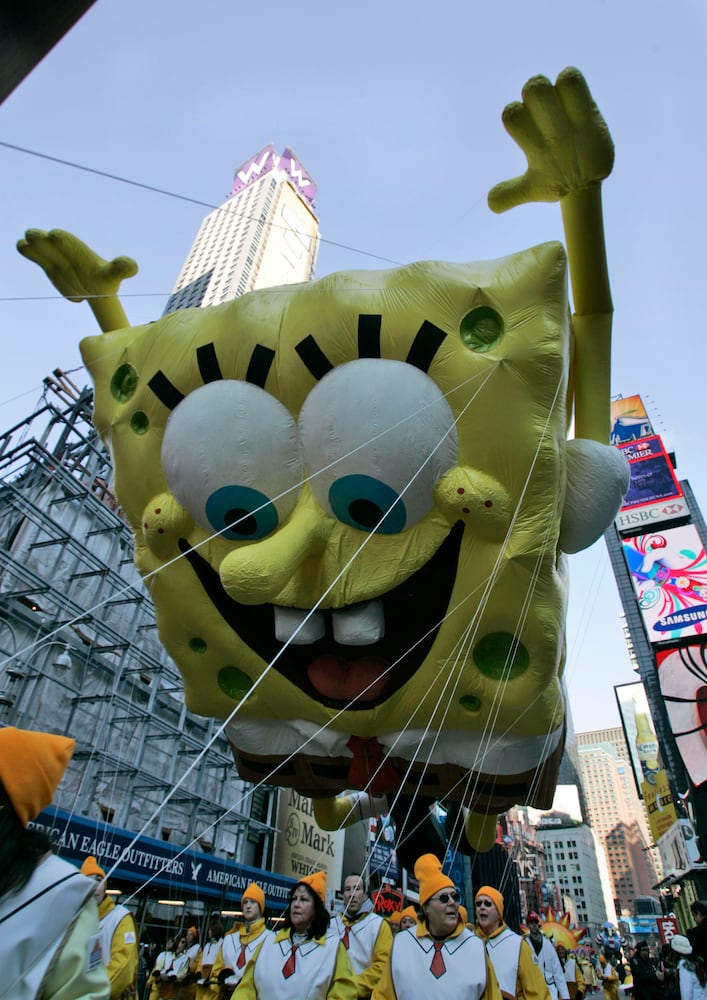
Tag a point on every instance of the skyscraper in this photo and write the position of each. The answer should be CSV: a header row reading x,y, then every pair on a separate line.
x,y
265,234
616,815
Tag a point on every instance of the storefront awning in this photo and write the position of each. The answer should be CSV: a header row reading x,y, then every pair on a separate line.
x,y
155,863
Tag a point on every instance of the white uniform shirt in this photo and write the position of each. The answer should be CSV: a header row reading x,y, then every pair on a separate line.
x,y
551,968
315,964
503,951
464,960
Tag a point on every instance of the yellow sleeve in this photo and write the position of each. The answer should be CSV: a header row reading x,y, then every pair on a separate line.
x,y
343,984
579,977
195,964
246,988
367,979
384,989
492,990
71,977
530,984
122,967
218,964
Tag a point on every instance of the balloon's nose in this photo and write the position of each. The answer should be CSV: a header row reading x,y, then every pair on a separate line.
x,y
257,573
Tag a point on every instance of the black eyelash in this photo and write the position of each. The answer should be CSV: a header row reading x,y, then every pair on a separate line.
x,y
258,369
314,358
209,367
369,336
259,365
421,354
425,346
165,391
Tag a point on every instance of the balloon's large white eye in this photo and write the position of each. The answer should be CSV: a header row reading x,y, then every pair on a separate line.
x,y
230,455
376,436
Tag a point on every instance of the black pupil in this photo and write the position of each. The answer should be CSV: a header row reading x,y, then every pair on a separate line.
x,y
365,512
241,521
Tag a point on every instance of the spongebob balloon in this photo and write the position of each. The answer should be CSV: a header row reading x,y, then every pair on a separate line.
x,y
351,498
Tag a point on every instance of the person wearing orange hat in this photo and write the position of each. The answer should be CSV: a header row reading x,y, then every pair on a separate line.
x,y
394,921
304,958
193,952
408,918
118,936
239,945
366,936
50,945
440,957
519,978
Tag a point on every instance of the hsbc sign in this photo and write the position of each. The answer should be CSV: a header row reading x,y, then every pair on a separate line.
x,y
654,513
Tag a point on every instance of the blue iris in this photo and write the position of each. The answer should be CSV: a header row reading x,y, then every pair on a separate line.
x,y
362,502
241,513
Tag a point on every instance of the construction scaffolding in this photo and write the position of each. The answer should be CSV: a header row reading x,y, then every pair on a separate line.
x,y
80,652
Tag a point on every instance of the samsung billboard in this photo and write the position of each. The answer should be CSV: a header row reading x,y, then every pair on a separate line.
x,y
669,573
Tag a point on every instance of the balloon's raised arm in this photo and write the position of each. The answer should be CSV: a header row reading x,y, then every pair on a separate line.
x,y
79,273
570,152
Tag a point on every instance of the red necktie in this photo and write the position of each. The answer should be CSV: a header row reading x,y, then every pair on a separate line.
x,y
345,938
438,968
240,961
289,966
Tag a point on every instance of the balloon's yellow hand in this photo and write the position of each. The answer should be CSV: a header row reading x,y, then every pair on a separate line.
x,y
79,273
564,137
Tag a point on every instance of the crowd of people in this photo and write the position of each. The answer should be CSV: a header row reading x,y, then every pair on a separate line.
x,y
65,938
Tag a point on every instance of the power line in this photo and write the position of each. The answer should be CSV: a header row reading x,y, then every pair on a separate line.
x,y
178,197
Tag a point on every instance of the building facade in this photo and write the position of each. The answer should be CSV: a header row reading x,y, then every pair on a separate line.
x,y
574,862
264,235
617,816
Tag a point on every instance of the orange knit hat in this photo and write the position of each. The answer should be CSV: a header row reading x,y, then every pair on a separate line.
x,y
394,918
255,893
409,911
317,882
494,895
91,868
31,767
428,872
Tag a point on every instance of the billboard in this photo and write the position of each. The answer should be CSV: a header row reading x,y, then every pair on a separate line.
x,y
669,573
629,420
382,859
301,846
682,674
652,474
639,732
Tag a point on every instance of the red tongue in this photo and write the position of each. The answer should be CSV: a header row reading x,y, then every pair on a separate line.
x,y
344,680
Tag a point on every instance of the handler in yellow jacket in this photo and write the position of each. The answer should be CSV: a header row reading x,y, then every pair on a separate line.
x,y
118,937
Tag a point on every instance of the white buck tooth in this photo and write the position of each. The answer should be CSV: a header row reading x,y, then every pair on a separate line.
x,y
361,625
290,625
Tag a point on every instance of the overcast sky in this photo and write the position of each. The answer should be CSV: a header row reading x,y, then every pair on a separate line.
x,y
395,110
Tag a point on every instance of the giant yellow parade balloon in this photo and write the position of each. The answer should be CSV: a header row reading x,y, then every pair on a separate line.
x,y
351,498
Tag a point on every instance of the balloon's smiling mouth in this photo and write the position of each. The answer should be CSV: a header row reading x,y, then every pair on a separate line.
x,y
397,631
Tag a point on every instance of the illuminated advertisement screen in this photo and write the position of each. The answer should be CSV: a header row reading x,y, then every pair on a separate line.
x,y
639,731
652,475
669,573
629,420
682,674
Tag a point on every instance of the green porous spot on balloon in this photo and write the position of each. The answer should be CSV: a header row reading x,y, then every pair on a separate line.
x,y
481,329
234,682
470,702
139,422
124,383
500,655
197,645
